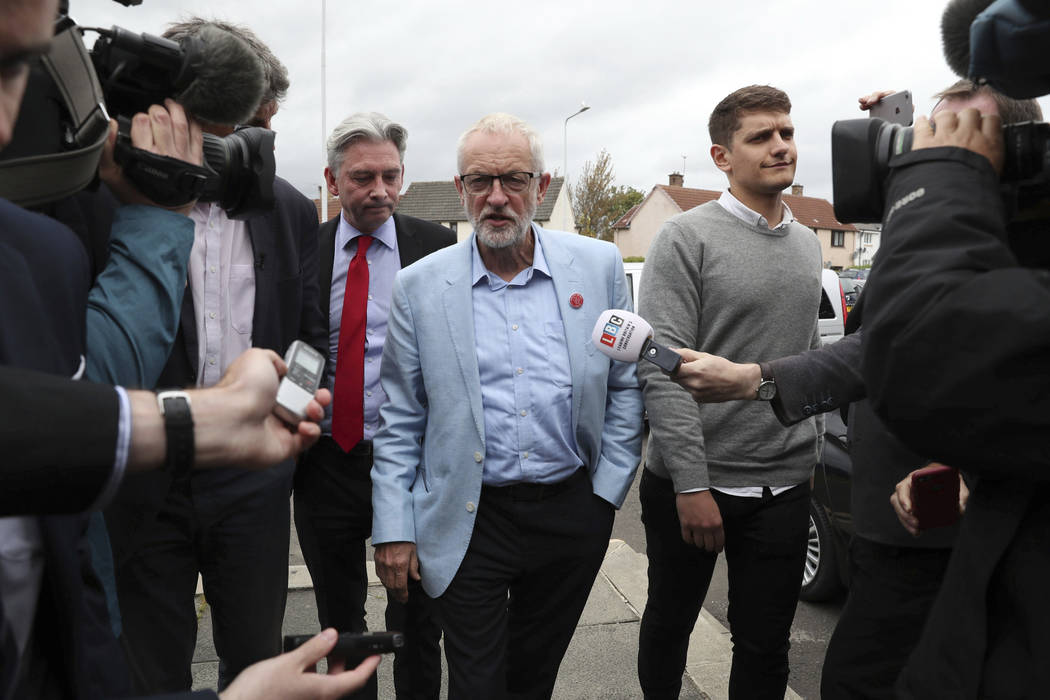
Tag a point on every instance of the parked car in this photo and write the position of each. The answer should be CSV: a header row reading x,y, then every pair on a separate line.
x,y
851,291
855,273
826,571
634,280
831,316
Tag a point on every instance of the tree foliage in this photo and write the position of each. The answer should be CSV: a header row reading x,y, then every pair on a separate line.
x,y
597,202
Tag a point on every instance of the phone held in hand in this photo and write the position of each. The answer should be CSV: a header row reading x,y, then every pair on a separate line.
x,y
896,108
305,366
353,646
935,496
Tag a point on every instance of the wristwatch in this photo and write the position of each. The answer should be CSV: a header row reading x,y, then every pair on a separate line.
x,y
767,388
178,427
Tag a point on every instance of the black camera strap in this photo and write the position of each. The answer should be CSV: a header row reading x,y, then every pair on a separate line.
x,y
37,179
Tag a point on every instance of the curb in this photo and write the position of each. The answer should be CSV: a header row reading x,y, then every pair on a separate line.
x,y
710,649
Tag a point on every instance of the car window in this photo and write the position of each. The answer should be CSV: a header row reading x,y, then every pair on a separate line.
x,y
826,309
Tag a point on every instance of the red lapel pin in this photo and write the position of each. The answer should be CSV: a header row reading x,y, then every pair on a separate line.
x,y
576,301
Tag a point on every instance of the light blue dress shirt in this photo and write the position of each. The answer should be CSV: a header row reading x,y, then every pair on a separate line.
x,y
526,383
384,261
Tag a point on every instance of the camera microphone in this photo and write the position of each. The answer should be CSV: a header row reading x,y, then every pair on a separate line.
x,y
955,32
627,337
1001,43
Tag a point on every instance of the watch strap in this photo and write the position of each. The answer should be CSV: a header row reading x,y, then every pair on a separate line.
x,y
176,409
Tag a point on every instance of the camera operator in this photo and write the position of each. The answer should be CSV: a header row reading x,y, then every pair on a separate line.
x,y
956,358
252,282
53,638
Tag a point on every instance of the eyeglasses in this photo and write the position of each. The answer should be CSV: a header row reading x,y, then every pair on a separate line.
x,y
510,182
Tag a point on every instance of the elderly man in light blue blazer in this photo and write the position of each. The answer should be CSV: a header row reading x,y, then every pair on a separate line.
x,y
507,441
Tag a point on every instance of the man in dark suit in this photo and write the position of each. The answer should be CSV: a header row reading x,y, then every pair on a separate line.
x,y
251,283
361,250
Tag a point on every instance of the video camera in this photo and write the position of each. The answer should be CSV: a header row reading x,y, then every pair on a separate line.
x,y
71,94
1001,43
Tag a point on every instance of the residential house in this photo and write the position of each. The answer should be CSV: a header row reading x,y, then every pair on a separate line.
x,y
868,237
636,229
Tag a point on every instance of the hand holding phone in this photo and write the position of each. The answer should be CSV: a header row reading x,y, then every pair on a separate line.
x,y
928,498
353,647
896,108
297,388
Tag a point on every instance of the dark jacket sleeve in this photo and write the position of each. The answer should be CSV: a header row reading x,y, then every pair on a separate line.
x,y
956,354
59,438
817,381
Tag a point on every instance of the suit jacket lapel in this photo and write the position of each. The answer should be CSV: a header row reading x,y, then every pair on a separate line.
x,y
325,260
459,312
568,280
407,242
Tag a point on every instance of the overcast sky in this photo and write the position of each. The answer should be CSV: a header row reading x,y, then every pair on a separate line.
x,y
651,72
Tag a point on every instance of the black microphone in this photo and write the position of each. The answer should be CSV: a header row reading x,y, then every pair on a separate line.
x,y
229,80
955,32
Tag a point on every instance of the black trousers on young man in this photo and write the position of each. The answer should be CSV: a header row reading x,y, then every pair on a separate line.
x,y
765,548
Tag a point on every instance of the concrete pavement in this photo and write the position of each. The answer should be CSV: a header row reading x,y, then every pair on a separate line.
x,y
600,662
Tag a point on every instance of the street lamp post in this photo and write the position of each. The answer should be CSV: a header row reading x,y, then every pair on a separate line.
x,y
565,143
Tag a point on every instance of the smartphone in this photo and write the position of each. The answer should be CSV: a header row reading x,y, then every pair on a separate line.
x,y
935,496
299,385
353,646
896,108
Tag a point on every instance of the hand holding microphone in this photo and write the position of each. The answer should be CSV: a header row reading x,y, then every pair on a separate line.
x,y
627,337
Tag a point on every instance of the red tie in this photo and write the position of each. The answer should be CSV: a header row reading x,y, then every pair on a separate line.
x,y
348,402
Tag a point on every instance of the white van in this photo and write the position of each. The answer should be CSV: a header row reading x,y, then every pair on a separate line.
x,y
831,316
634,281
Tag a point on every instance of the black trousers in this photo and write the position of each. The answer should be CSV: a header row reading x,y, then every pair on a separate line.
x,y
765,548
512,608
333,517
238,541
891,592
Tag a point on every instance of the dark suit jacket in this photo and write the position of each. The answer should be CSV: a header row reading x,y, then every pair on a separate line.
x,y
44,281
829,378
416,239
284,244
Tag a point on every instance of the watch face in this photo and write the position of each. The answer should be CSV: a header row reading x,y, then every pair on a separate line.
x,y
767,390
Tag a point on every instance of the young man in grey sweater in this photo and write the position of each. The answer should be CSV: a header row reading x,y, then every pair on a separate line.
x,y
739,278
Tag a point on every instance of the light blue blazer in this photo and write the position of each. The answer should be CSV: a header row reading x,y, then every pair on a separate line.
x,y
430,448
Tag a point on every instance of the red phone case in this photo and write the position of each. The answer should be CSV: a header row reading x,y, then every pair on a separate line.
x,y
935,496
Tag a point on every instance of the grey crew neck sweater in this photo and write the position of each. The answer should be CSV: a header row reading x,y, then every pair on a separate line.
x,y
719,285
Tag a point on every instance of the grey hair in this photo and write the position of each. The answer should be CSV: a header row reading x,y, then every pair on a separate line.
x,y
364,126
505,124
274,72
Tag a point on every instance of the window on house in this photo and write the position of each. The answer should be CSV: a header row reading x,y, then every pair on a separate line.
x,y
838,239
452,225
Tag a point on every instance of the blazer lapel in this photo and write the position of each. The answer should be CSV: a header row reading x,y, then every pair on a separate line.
x,y
407,242
325,260
459,313
568,280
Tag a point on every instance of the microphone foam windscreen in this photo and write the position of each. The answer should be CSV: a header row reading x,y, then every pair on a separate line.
x,y
955,32
621,334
